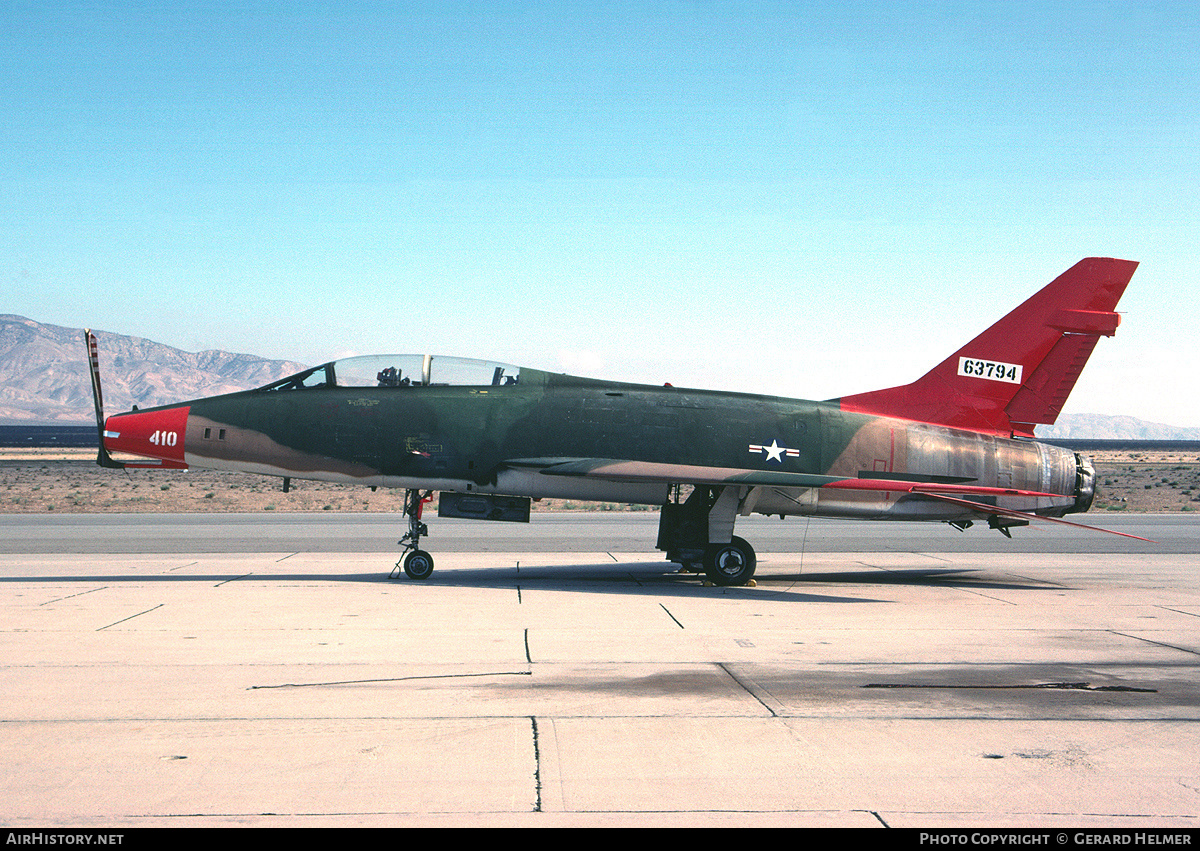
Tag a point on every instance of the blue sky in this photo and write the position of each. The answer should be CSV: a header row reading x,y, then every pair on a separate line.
x,y
802,199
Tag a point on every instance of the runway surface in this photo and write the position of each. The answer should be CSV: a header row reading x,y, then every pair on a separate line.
x,y
264,670
612,531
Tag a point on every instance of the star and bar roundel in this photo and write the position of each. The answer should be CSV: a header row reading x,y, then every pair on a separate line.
x,y
774,452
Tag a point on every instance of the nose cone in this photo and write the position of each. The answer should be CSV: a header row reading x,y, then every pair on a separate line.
x,y
159,433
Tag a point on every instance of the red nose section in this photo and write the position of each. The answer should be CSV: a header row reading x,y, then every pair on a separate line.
x,y
154,434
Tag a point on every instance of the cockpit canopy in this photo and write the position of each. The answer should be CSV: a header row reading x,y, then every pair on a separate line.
x,y
401,371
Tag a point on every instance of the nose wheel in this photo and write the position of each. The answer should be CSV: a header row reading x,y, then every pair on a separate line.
x,y
416,563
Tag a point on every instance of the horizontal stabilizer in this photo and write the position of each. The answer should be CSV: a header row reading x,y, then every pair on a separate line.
x,y
1025,515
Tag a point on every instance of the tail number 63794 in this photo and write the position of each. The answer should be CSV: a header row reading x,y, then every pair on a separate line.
x,y
994,370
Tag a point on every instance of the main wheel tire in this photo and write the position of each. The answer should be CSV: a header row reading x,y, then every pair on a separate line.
x,y
418,564
730,564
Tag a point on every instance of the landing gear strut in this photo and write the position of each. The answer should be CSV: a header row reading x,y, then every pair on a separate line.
x,y
417,563
690,531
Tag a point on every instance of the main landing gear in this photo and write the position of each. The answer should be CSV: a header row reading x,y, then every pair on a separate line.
x,y
730,564
417,563
691,530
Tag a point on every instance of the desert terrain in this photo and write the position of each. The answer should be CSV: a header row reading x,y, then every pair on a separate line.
x,y
69,481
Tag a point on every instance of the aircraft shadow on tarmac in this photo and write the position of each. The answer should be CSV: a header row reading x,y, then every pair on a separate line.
x,y
644,578
655,578
639,577
947,577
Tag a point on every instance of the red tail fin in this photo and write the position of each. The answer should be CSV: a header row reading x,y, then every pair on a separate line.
x,y
1020,371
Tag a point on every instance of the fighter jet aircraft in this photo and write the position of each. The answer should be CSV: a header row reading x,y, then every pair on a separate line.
x,y
955,445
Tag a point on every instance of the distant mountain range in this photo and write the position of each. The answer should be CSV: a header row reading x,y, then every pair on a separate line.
x,y
1103,427
44,373
44,379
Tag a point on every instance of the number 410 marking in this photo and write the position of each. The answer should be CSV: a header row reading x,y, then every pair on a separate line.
x,y
164,438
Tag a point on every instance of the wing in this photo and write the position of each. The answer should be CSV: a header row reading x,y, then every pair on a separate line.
x,y
618,470
954,493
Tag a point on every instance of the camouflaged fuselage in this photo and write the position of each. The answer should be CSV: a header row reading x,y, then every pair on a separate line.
x,y
554,435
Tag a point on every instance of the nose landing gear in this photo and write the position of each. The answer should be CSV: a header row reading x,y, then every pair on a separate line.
x,y
417,563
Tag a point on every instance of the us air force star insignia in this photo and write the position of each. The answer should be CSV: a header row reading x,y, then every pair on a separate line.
x,y
774,452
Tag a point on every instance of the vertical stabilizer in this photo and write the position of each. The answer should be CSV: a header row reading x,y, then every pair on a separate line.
x,y
1019,372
